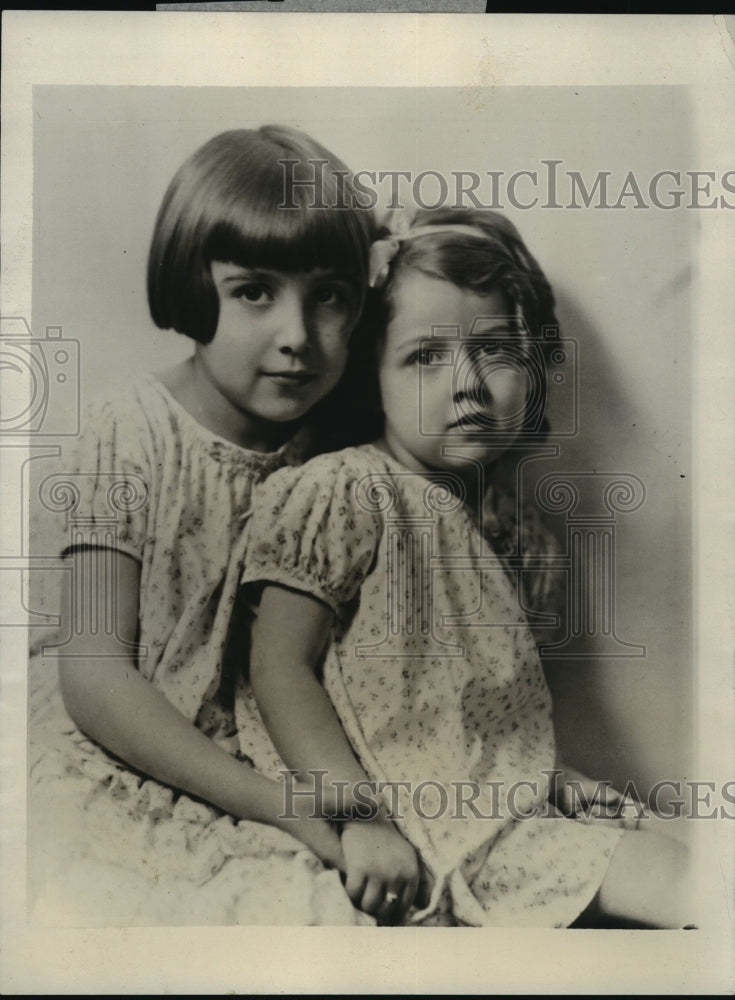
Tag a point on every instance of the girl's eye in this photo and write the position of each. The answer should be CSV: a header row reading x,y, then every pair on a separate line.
x,y
491,347
331,295
253,292
434,356
510,349
326,293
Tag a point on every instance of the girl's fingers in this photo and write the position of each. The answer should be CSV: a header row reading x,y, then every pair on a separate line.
x,y
607,795
398,901
394,907
613,795
408,896
355,889
425,888
596,798
374,898
629,822
608,810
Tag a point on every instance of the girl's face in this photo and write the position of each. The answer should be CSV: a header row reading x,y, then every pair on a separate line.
x,y
280,346
453,383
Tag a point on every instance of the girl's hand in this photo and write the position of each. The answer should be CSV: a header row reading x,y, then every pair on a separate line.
x,y
382,869
574,794
596,802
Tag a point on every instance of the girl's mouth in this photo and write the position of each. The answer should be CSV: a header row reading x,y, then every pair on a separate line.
x,y
473,422
290,379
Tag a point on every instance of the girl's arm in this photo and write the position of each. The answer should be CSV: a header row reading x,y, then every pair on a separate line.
x,y
289,638
108,698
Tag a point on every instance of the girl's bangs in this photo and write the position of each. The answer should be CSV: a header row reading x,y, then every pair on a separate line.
x,y
262,232
484,264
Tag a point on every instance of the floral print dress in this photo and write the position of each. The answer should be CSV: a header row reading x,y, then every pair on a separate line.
x,y
109,846
435,676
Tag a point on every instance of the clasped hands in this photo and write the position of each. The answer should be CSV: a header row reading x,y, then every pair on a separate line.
x,y
582,798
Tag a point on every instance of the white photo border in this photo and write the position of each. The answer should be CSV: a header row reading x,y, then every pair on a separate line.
x,y
202,50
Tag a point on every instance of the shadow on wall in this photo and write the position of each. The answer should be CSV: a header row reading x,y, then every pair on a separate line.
x,y
621,671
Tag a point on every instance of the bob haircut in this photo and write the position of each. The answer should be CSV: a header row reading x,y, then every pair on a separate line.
x,y
225,203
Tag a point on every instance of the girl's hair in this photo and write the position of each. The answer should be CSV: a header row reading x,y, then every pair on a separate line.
x,y
229,202
498,260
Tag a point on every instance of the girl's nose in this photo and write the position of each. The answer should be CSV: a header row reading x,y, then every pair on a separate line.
x,y
293,326
485,377
474,376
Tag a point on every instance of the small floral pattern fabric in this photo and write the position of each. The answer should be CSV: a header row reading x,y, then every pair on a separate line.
x,y
435,676
109,846
178,496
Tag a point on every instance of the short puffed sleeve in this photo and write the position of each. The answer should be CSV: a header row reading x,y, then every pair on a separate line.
x,y
105,489
308,531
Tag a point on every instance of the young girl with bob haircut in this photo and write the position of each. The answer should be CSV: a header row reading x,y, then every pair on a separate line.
x,y
270,296
407,687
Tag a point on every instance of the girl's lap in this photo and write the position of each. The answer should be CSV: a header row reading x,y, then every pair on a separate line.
x,y
108,847
112,857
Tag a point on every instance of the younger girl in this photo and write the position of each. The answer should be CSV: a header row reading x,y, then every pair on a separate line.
x,y
407,659
160,489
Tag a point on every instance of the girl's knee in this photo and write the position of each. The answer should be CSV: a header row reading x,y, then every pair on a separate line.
x,y
647,882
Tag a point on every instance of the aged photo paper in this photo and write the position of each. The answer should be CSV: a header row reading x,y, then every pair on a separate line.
x,y
608,142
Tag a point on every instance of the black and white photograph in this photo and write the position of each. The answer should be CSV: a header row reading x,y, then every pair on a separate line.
x,y
367,535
